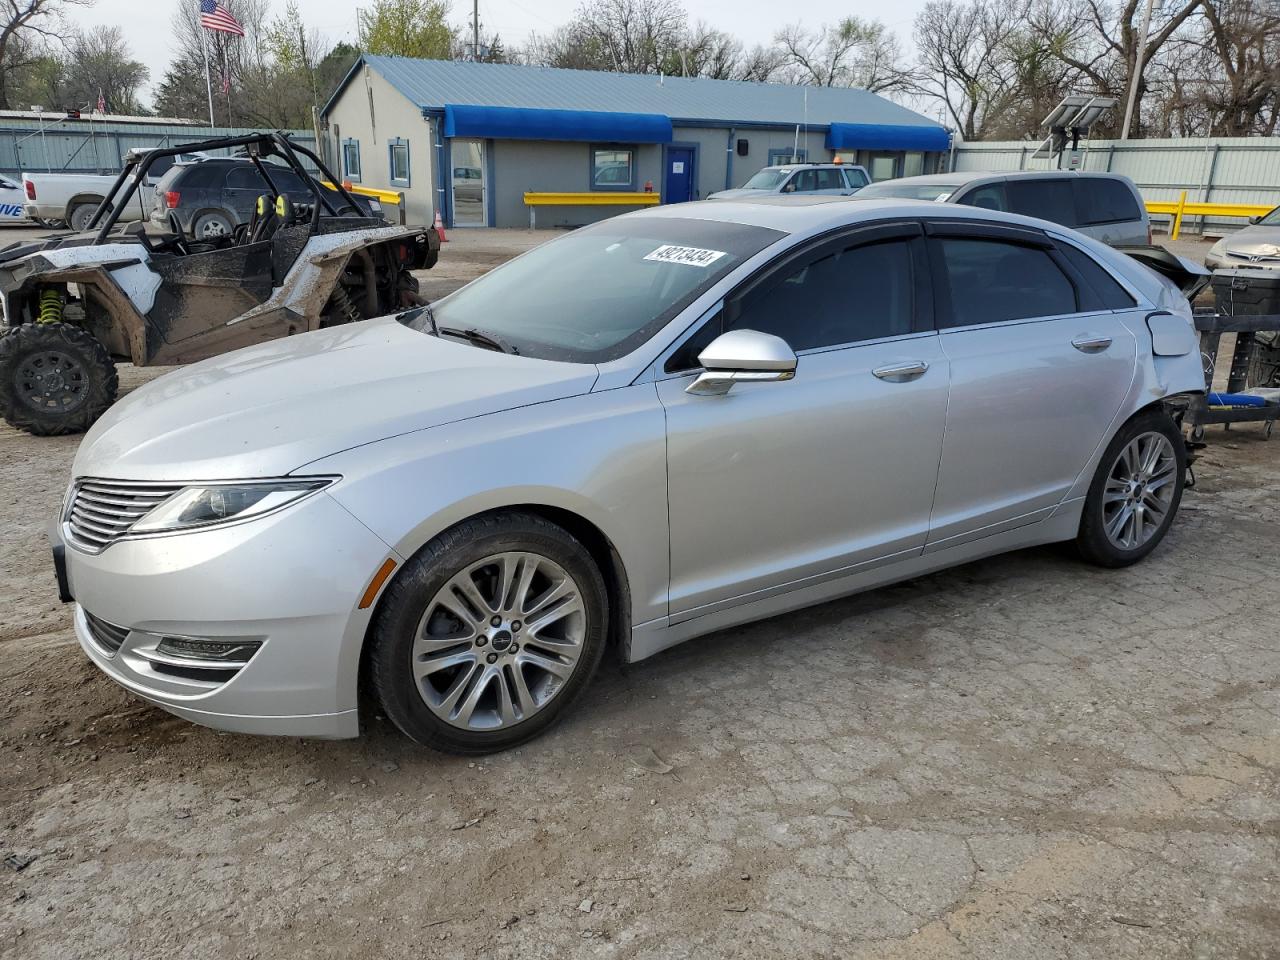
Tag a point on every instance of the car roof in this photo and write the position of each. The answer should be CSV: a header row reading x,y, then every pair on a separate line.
x,y
790,213
960,177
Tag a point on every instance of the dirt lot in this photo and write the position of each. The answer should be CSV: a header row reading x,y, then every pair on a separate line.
x,y
1021,758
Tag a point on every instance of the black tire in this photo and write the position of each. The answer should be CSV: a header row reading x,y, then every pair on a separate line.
x,y
406,601
82,365
211,226
1093,542
80,215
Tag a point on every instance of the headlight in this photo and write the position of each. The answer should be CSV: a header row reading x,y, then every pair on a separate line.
x,y
203,505
1219,249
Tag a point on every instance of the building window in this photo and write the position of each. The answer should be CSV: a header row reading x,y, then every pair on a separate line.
x,y
612,168
398,161
351,160
787,155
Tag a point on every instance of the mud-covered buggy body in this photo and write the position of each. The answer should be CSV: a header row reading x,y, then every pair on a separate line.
x,y
75,305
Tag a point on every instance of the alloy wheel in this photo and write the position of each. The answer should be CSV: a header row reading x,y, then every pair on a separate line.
x,y
51,381
1139,490
499,641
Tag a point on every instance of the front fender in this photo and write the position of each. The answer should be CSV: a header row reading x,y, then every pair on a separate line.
x,y
600,456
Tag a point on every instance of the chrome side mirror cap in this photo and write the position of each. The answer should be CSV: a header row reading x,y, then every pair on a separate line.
x,y
742,356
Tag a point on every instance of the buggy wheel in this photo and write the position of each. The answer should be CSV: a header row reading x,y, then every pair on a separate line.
x,y
54,378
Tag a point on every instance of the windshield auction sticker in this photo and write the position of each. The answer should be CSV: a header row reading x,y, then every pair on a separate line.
x,y
689,256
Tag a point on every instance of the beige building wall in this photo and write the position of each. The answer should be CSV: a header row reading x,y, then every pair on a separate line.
x,y
372,112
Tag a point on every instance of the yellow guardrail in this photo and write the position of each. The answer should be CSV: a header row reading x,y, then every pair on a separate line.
x,y
1180,208
597,199
393,198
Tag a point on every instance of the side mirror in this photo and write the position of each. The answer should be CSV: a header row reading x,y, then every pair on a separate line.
x,y
1253,220
742,356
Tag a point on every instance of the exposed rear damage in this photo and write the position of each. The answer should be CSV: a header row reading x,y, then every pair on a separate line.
x,y
75,305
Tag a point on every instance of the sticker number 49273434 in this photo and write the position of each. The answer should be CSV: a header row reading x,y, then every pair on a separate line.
x,y
689,256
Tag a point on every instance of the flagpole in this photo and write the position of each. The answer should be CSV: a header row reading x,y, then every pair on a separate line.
x,y
208,82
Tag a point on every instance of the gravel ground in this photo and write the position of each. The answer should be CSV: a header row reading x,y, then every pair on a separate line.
x,y
1021,758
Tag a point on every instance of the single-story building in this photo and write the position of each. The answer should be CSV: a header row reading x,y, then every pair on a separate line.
x,y
470,139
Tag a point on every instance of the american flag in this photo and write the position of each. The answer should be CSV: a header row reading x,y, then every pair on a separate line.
x,y
226,80
214,16
102,103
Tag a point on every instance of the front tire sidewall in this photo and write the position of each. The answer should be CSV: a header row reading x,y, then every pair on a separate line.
x,y
1092,542
405,600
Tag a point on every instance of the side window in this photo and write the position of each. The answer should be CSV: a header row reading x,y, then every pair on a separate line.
x,y
1109,293
244,177
829,179
861,293
1052,200
989,197
351,159
856,178
993,280
804,181
1104,200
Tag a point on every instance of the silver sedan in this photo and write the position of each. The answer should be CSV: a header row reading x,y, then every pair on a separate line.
x,y
665,424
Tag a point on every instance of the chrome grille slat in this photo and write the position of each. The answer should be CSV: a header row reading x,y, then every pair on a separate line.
x,y
102,511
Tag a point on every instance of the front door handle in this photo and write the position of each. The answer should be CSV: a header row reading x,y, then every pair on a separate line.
x,y
1091,344
902,372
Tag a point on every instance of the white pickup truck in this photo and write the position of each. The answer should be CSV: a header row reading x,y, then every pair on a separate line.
x,y
72,198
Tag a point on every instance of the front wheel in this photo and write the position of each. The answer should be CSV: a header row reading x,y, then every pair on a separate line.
x,y
54,378
488,634
1135,492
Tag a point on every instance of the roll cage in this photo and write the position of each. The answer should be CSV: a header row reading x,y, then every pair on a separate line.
x,y
257,147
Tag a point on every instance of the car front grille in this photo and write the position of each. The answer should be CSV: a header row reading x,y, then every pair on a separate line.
x,y
102,511
106,635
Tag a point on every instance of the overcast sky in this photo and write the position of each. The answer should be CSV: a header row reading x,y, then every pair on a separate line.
x,y
146,24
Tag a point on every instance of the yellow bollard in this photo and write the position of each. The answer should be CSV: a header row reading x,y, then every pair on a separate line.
x,y
1177,217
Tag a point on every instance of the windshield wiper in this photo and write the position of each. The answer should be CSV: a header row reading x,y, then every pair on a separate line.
x,y
479,337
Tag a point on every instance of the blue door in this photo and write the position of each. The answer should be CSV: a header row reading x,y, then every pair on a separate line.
x,y
679,186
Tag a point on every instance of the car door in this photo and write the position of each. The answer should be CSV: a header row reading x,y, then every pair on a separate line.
x,y
830,180
244,186
855,178
802,181
1040,365
774,484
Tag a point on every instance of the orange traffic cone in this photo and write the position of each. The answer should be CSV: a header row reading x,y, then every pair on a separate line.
x,y
439,225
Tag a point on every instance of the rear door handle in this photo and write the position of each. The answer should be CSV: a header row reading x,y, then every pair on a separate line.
x,y
902,372
1091,344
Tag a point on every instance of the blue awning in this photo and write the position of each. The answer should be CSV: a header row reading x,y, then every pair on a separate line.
x,y
519,123
887,136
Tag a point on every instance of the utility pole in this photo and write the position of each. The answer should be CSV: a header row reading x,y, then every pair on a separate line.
x,y
475,30
1138,56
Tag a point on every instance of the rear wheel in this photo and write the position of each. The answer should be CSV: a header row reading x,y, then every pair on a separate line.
x,y
54,378
488,634
80,216
211,226
1135,492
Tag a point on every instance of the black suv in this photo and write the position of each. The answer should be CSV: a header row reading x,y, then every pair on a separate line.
x,y
207,200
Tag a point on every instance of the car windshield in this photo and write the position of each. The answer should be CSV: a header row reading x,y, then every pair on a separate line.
x,y
766,179
906,190
1271,219
598,293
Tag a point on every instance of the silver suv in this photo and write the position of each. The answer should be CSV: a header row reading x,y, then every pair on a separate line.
x,y
1105,206
840,179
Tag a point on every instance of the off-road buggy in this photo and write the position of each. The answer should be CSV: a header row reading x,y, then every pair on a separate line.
x,y
74,305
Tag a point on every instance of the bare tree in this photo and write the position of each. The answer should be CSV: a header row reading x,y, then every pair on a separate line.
x,y
850,53
21,21
1242,40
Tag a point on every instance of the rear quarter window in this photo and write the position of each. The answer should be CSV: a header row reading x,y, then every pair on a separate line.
x,y
1107,293
1103,200
1051,200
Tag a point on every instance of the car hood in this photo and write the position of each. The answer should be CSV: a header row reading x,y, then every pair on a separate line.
x,y
1255,242
268,410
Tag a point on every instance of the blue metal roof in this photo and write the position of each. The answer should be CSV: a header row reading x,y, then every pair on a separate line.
x,y
431,84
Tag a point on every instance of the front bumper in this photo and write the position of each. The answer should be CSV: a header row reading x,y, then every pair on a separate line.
x,y
291,581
